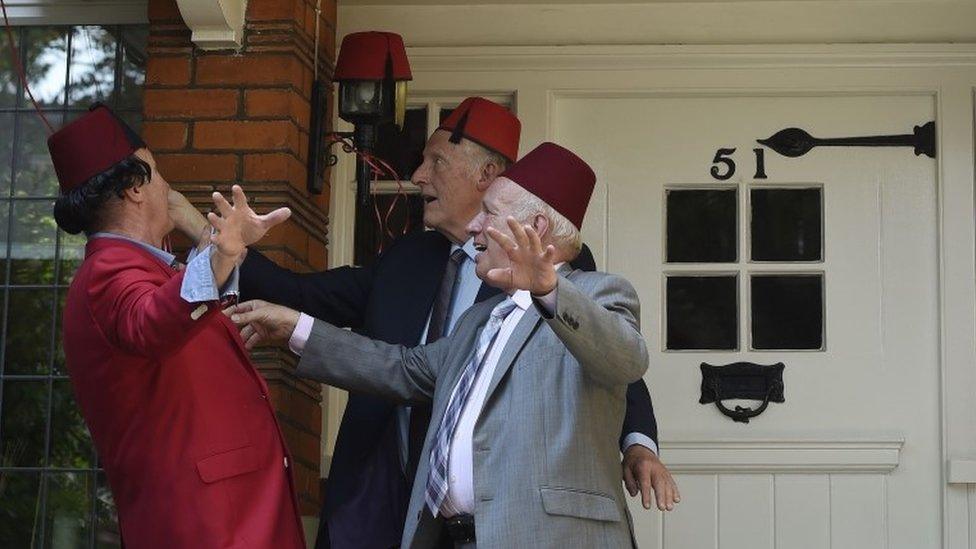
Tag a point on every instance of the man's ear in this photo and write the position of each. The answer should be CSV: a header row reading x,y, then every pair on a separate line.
x,y
135,193
489,171
541,225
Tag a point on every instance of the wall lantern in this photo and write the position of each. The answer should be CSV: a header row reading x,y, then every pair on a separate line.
x,y
372,72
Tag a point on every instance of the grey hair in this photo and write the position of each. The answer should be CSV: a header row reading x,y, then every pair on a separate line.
x,y
480,156
562,233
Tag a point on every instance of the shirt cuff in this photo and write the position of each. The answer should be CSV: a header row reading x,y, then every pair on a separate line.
x,y
639,438
548,301
299,336
198,281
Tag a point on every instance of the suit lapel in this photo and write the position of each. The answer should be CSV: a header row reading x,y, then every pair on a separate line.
x,y
519,338
523,330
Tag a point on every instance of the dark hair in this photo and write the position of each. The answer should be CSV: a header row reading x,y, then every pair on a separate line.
x,y
80,209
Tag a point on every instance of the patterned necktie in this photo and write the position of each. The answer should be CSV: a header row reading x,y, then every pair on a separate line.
x,y
420,413
437,484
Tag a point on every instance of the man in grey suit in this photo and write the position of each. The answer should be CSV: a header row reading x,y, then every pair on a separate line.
x,y
528,391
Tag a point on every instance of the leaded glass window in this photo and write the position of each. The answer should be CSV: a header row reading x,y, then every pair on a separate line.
x,y
53,493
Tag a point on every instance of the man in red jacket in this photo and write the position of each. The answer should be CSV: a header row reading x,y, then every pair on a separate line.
x,y
179,415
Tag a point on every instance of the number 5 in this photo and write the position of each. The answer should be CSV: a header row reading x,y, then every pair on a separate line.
x,y
722,157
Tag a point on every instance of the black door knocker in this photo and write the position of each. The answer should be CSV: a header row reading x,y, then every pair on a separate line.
x,y
742,380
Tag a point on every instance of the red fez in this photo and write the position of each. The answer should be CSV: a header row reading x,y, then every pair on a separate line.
x,y
486,123
558,177
366,56
90,145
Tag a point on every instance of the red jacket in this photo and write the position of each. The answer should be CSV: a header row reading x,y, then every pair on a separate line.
x,y
179,415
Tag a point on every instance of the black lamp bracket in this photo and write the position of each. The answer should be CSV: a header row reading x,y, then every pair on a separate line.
x,y
338,138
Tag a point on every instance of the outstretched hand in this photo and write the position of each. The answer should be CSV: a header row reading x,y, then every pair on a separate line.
x,y
228,235
253,225
532,266
263,322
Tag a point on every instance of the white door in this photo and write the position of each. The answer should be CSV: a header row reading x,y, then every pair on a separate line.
x,y
828,265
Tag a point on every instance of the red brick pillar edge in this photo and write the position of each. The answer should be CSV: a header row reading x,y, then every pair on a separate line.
x,y
215,118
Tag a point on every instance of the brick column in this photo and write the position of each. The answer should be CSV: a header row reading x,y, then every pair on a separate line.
x,y
215,118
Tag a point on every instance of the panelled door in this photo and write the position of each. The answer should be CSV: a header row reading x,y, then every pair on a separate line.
x,y
826,262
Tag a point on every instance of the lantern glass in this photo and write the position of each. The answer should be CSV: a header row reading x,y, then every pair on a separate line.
x,y
365,101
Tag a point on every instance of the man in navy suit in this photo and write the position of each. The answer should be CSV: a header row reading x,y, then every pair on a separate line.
x,y
413,294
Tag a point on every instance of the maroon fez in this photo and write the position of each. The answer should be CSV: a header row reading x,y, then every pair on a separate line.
x,y
90,145
368,55
558,177
486,123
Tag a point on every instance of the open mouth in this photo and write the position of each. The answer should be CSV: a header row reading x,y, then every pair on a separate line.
x,y
480,247
429,199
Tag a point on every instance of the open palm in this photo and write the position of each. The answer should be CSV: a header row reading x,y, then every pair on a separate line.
x,y
531,264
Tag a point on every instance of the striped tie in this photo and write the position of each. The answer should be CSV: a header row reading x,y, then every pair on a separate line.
x,y
437,484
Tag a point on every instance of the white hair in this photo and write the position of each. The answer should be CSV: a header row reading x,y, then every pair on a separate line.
x,y
562,233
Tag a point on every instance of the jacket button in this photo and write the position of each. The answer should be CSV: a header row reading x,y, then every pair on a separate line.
x,y
264,396
286,462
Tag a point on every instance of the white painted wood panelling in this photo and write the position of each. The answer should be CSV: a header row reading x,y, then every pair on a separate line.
x,y
781,511
76,12
746,515
694,523
858,513
802,511
554,22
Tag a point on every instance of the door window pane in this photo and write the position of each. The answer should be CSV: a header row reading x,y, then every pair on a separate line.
x,y
68,516
32,242
701,225
34,172
5,206
8,75
71,252
23,424
46,49
786,224
106,516
58,365
133,73
71,445
6,149
92,65
702,313
19,521
30,321
787,312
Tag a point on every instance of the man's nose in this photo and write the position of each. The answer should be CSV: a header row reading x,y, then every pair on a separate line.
x,y
474,227
419,176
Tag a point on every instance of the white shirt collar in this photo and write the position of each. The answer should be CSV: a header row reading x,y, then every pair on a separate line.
x,y
522,299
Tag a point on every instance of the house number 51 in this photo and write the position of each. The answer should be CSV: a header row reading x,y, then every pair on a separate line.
x,y
723,167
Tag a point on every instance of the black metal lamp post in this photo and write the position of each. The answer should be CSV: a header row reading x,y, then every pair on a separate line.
x,y
372,72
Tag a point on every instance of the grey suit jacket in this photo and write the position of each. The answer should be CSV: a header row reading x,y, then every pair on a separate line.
x,y
546,464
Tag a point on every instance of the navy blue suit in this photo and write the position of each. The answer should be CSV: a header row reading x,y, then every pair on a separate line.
x,y
366,493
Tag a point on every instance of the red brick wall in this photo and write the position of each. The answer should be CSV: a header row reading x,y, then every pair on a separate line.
x,y
218,118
